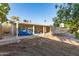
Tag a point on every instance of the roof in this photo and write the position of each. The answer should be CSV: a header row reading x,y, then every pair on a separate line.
x,y
33,24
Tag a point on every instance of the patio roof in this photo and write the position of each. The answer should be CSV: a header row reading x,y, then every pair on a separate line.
x,y
33,24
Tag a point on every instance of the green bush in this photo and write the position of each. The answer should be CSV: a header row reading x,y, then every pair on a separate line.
x,y
77,35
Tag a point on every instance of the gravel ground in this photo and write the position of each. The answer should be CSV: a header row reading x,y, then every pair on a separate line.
x,y
39,47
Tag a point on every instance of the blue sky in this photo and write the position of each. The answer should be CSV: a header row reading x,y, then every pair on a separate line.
x,y
36,12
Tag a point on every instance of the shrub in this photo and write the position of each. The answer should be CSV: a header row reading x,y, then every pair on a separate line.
x,y
77,35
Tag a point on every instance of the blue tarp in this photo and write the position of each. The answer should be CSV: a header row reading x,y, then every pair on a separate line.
x,y
24,32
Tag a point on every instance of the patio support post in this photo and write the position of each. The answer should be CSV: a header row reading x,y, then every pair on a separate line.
x,y
17,28
43,30
50,29
33,29
12,29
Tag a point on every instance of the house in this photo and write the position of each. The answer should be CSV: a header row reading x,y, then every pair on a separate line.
x,y
13,28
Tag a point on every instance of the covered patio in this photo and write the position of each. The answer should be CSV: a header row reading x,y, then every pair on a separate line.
x,y
13,28
35,28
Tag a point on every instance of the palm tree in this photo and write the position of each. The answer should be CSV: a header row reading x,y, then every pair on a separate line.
x,y
14,18
26,21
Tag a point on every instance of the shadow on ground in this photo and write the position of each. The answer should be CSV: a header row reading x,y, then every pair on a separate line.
x,y
40,47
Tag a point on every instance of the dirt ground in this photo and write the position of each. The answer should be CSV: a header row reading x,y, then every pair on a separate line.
x,y
39,47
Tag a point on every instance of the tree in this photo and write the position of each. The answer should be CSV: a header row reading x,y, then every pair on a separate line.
x,y
56,21
26,21
15,18
69,14
4,9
